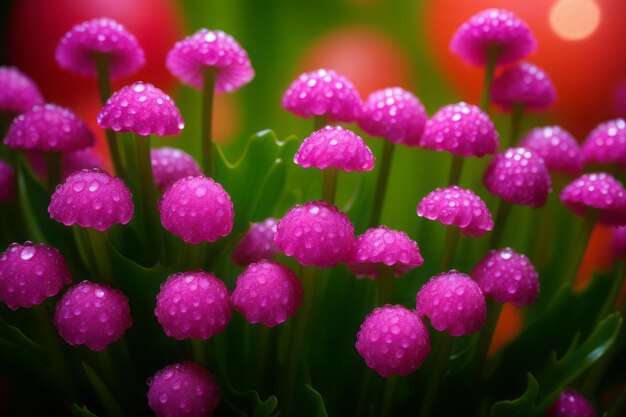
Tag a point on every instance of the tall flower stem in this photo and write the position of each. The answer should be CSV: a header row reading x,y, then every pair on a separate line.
x,y
198,351
441,354
580,245
53,164
208,92
390,385
104,88
611,301
517,114
449,247
456,168
486,334
384,276
100,261
383,180
329,184
308,276
490,67
319,122
500,224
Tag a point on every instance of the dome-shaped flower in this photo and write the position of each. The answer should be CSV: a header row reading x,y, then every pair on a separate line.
x,y
94,315
393,341
557,147
508,277
316,233
30,273
385,246
493,29
335,147
215,49
323,93
49,128
461,129
525,84
171,164
600,193
571,404
143,109
7,183
18,93
267,292
257,244
194,305
77,49
394,114
606,144
453,303
92,198
459,207
197,209
618,242
183,389
519,176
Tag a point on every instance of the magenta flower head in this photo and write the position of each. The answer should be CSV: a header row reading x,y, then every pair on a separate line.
x,y
94,315
335,147
7,183
92,198
183,389
18,93
557,147
508,277
210,49
197,209
453,302
323,93
524,84
606,144
194,305
599,194
30,273
519,176
618,242
383,246
316,233
171,164
49,128
143,109
267,292
78,48
571,404
394,114
497,30
456,206
393,341
257,244
461,129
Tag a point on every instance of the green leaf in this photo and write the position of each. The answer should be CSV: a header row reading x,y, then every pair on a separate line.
x,y
312,403
81,411
520,407
108,401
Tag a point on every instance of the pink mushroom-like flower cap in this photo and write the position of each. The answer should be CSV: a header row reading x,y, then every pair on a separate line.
x,y
30,273
171,164
194,305
525,84
267,292
188,59
493,29
77,50
94,315
508,277
600,193
316,233
557,147
394,114
393,341
453,302
335,147
618,242
70,162
323,93
519,176
49,128
606,144
384,246
459,207
197,209
8,190
257,244
183,389
92,198
143,109
461,129
18,93
571,404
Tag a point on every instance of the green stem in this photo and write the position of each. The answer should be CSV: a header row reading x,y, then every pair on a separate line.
x,y
193,256
384,276
500,224
208,92
437,373
53,163
329,184
517,114
611,300
319,122
308,276
390,385
449,247
383,180
486,334
456,169
101,262
108,400
490,67
580,245
198,351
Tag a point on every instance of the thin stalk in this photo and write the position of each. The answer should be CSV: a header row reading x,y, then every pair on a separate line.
x,y
384,276
580,245
449,247
456,169
319,122
53,348
108,400
308,276
437,373
198,351
101,262
208,92
383,180
490,67
611,300
53,164
486,334
329,184
500,224
390,385
193,256
517,114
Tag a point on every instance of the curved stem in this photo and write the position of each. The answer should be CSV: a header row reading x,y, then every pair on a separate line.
x,y
449,247
53,163
383,180
500,224
517,114
437,373
329,185
456,168
208,92
104,88
492,57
